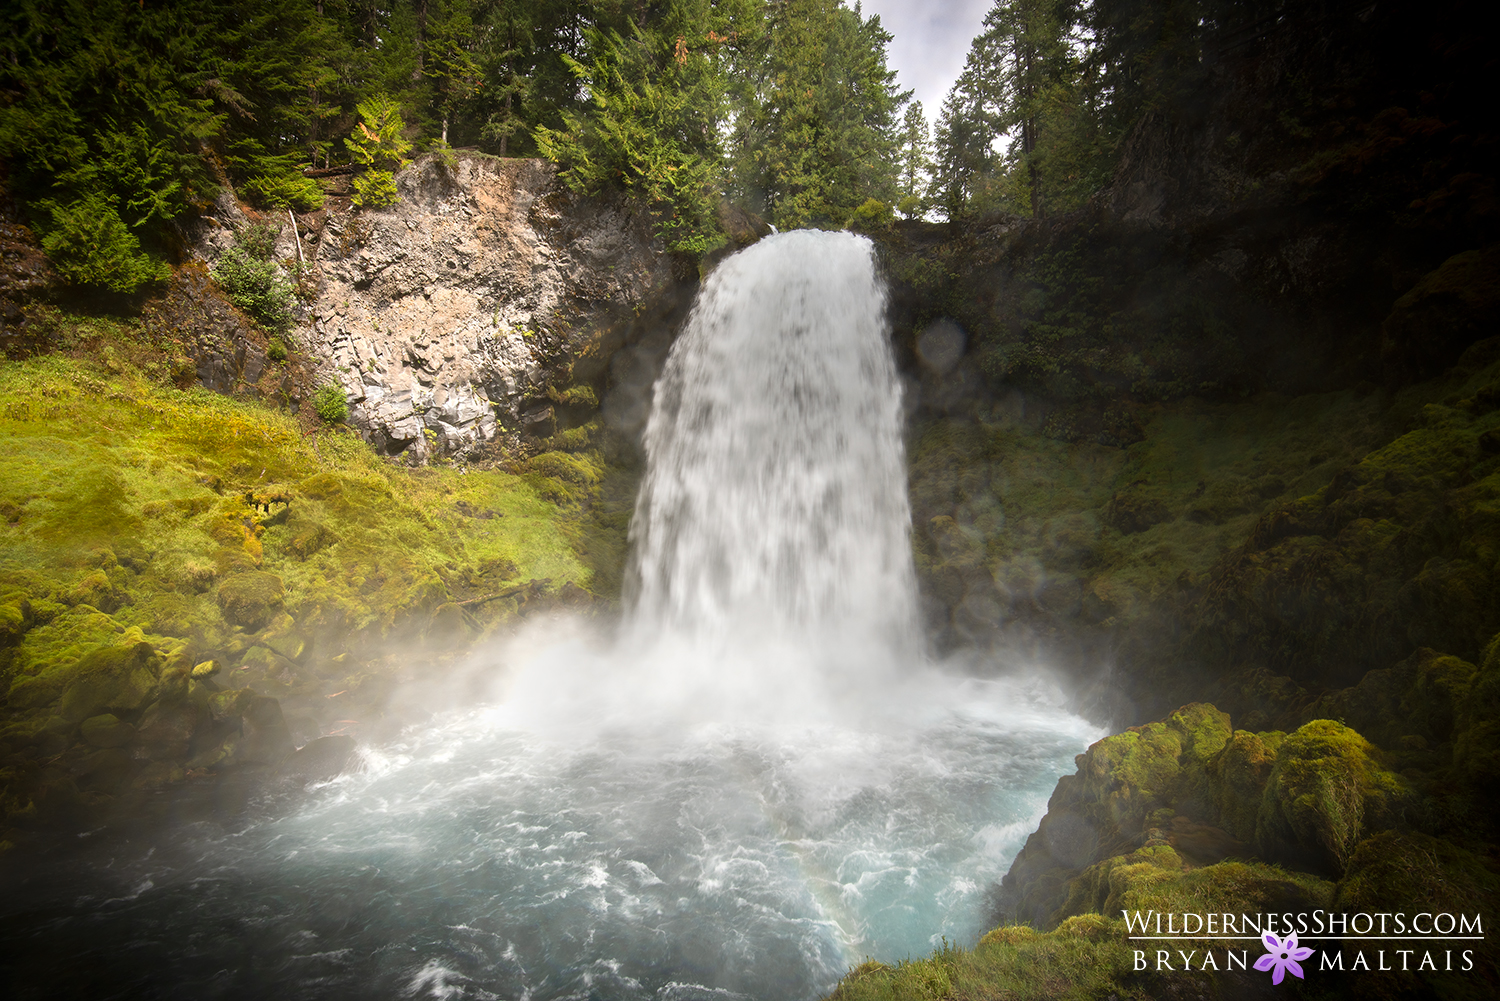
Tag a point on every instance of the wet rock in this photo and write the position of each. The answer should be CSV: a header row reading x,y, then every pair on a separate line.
x,y
265,739
320,760
104,770
117,679
167,728
231,705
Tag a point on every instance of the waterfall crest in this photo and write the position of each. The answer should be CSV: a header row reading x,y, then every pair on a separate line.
x,y
774,508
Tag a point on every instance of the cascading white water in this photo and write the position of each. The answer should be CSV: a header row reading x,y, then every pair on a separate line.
x,y
774,503
756,786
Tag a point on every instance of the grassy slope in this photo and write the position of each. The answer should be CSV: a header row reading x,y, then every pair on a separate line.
x,y
131,510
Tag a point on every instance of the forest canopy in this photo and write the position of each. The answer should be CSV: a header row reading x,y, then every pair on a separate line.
x,y
118,117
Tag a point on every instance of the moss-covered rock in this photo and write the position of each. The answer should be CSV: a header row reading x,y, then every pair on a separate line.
x,y
1240,772
1409,873
1127,786
117,679
167,729
1447,310
248,599
1476,744
106,730
1327,787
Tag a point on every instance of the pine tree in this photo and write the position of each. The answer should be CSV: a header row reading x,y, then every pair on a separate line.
x,y
817,134
916,161
657,101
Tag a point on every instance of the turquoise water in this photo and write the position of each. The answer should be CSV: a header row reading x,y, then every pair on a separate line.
x,y
471,858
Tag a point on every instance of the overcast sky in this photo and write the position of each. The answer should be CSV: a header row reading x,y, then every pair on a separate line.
x,y
931,40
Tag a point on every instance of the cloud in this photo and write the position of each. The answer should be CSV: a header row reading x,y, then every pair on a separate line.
x,y
931,42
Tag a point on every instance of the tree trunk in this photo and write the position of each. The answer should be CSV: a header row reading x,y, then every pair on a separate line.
x,y
421,39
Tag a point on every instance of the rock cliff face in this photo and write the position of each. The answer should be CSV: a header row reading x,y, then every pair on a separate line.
x,y
454,317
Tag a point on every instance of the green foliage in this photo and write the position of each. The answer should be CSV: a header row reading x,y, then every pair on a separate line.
x,y
378,149
166,524
375,189
330,404
1020,130
657,103
1085,958
144,106
816,132
90,245
872,215
256,283
916,161
283,190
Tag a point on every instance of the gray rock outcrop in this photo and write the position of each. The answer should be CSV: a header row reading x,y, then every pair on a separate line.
x,y
453,317
449,314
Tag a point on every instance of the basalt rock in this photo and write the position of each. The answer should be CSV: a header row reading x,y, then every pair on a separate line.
x,y
448,316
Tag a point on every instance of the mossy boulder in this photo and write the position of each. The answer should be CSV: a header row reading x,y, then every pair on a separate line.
x,y
167,729
1410,873
1414,872
116,679
1327,787
1446,311
104,770
1127,787
450,627
1146,768
16,618
1240,772
106,730
265,739
249,599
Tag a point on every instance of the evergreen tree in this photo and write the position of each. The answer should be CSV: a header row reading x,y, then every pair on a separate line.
x,y
378,149
1021,129
656,108
817,136
916,161
449,57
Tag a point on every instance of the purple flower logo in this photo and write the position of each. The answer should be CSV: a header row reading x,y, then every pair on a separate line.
x,y
1282,955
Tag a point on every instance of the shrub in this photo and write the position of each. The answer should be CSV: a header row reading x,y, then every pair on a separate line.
x,y
378,150
254,282
90,245
873,214
284,190
375,189
330,403
276,350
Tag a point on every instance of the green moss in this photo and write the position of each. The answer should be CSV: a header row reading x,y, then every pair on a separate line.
x,y
1240,773
1326,788
139,517
248,599
1059,535
1085,958
1476,743
1411,873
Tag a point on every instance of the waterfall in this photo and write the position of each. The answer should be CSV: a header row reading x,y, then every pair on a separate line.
x,y
756,785
774,507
